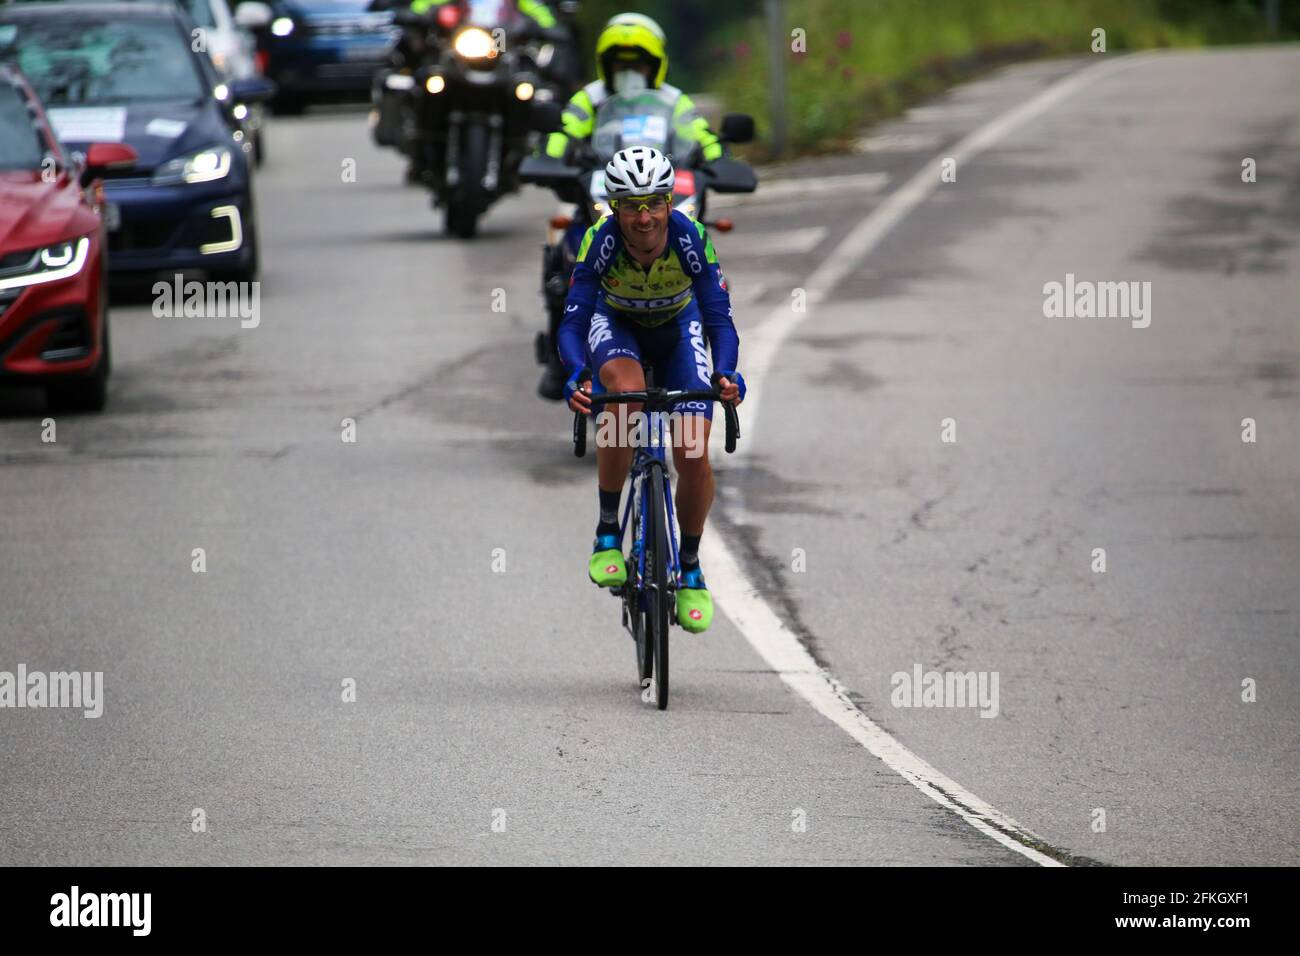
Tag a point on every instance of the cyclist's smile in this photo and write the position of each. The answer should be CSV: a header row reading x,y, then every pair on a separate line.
x,y
644,222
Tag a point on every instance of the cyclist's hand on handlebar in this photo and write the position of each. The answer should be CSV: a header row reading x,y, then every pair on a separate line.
x,y
578,391
732,385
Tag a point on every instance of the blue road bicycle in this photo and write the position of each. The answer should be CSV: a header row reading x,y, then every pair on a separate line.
x,y
653,569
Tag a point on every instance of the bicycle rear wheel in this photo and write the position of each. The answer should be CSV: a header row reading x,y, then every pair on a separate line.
x,y
657,597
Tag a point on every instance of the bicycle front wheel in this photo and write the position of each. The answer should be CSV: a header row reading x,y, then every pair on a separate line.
x,y
658,599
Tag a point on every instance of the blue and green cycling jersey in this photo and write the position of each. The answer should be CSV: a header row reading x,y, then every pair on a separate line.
x,y
607,279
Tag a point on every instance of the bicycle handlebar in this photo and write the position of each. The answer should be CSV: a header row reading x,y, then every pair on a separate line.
x,y
657,399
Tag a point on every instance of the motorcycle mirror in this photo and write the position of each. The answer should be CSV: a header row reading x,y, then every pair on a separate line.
x,y
738,128
546,117
727,175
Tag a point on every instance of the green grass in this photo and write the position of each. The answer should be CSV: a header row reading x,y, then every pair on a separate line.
x,y
867,59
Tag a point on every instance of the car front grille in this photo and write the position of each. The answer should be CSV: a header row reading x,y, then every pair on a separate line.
x,y
378,28
142,235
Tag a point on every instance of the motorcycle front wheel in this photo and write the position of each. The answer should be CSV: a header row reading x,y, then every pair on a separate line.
x,y
463,209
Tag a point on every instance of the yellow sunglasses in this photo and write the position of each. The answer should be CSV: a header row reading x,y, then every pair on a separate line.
x,y
655,203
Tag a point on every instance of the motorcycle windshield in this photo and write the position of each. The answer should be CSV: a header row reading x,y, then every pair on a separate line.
x,y
635,119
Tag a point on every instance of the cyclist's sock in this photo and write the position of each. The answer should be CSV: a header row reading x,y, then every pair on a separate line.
x,y
690,552
608,512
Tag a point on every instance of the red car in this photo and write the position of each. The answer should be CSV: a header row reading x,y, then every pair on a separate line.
x,y
53,302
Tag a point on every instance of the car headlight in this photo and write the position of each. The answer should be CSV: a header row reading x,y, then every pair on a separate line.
x,y
201,167
282,26
473,43
60,260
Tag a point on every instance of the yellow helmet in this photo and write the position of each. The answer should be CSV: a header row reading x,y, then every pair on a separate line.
x,y
628,32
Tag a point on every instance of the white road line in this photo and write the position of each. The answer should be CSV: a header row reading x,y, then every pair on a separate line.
x,y
742,246
786,190
744,291
737,596
944,113
897,143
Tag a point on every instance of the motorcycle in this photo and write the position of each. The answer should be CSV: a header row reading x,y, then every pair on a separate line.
x,y
644,118
461,106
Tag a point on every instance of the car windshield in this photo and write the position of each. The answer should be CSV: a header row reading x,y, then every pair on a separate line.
x,y
200,12
97,61
21,143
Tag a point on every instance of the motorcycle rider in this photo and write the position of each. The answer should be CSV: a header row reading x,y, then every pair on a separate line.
x,y
562,69
534,16
631,55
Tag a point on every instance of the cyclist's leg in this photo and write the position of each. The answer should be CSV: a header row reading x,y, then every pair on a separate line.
x,y
616,367
614,357
688,367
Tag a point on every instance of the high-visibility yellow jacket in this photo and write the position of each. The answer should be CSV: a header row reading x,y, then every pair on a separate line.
x,y
579,119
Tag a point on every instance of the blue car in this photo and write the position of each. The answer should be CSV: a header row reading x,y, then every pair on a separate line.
x,y
126,73
310,47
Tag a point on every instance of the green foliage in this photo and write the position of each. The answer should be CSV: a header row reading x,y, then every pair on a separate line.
x,y
869,58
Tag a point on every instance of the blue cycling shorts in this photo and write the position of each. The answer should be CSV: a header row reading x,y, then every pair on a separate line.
x,y
675,350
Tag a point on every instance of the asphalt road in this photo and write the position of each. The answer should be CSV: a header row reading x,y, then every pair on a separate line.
x,y
497,717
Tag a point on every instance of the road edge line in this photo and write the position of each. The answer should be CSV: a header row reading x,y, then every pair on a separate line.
x,y
737,596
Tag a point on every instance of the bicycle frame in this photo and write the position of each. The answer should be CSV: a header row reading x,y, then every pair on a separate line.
x,y
650,464
646,462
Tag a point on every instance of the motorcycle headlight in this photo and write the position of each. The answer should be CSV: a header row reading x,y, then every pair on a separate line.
x,y
282,26
202,167
60,260
473,43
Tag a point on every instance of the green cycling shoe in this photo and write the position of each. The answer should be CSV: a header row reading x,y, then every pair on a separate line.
x,y
606,567
694,603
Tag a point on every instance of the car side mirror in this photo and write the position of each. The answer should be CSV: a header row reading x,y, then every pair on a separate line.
x,y
101,157
253,15
250,89
738,128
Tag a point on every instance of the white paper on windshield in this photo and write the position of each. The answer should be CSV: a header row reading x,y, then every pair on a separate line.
x,y
166,128
89,124
653,129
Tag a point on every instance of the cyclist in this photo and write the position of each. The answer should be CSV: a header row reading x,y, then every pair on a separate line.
x,y
647,286
631,55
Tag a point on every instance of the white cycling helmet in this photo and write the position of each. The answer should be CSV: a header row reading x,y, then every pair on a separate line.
x,y
638,171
